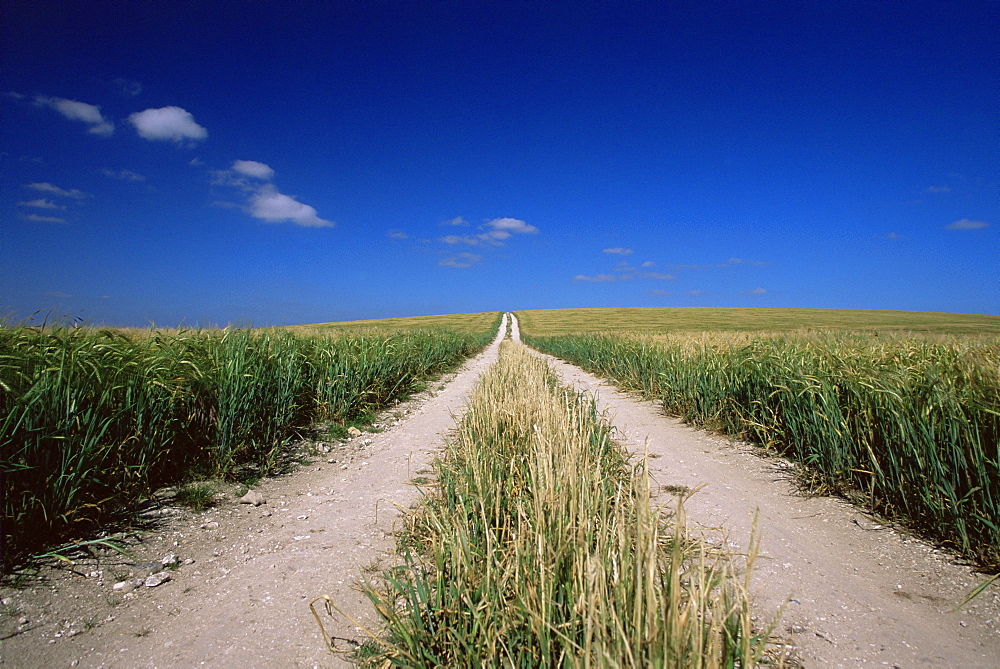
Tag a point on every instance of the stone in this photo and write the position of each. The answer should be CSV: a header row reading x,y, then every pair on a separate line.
x,y
159,578
170,560
253,497
353,431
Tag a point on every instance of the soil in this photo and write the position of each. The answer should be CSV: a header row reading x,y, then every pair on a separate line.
x,y
855,589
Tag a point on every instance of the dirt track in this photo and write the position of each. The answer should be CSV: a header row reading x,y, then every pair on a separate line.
x,y
859,593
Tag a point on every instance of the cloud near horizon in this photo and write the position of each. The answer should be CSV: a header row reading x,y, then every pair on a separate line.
x,y
618,251
75,110
967,224
597,278
461,261
167,124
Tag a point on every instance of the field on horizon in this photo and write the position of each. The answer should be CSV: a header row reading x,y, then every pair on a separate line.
x,y
475,322
653,320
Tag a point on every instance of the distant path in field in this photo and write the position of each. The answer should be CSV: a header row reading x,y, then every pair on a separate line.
x,y
244,602
858,593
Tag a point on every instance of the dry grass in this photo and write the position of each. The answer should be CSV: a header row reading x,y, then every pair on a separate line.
x,y
540,549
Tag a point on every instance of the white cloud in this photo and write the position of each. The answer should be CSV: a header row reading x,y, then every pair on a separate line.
x,y
893,235
171,124
618,251
79,111
597,278
398,234
252,168
648,263
658,275
458,220
123,175
660,291
741,261
44,219
502,228
41,204
939,189
754,291
274,207
967,224
462,260
56,190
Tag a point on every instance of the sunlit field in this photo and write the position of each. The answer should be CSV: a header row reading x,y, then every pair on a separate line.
x,y
92,420
700,319
456,322
904,421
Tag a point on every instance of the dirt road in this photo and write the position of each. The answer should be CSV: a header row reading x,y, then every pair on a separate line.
x,y
858,593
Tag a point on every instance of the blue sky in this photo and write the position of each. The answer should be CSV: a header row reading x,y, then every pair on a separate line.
x,y
292,162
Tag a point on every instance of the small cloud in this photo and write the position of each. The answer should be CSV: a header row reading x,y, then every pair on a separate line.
x,y
41,204
500,229
252,168
462,260
939,189
274,207
618,251
893,235
660,291
741,261
624,266
754,291
597,278
123,175
79,111
56,190
658,275
398,234
495,232
694,293
460,239
648,263
196,162
966,224
457,221
169,124
128,87
44,219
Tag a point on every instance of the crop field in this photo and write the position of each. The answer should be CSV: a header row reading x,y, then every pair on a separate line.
x,y
539,547
662,320
474,323
91,421
905,423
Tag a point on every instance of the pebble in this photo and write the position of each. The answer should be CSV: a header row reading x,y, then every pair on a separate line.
x,y
253,497
156,579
